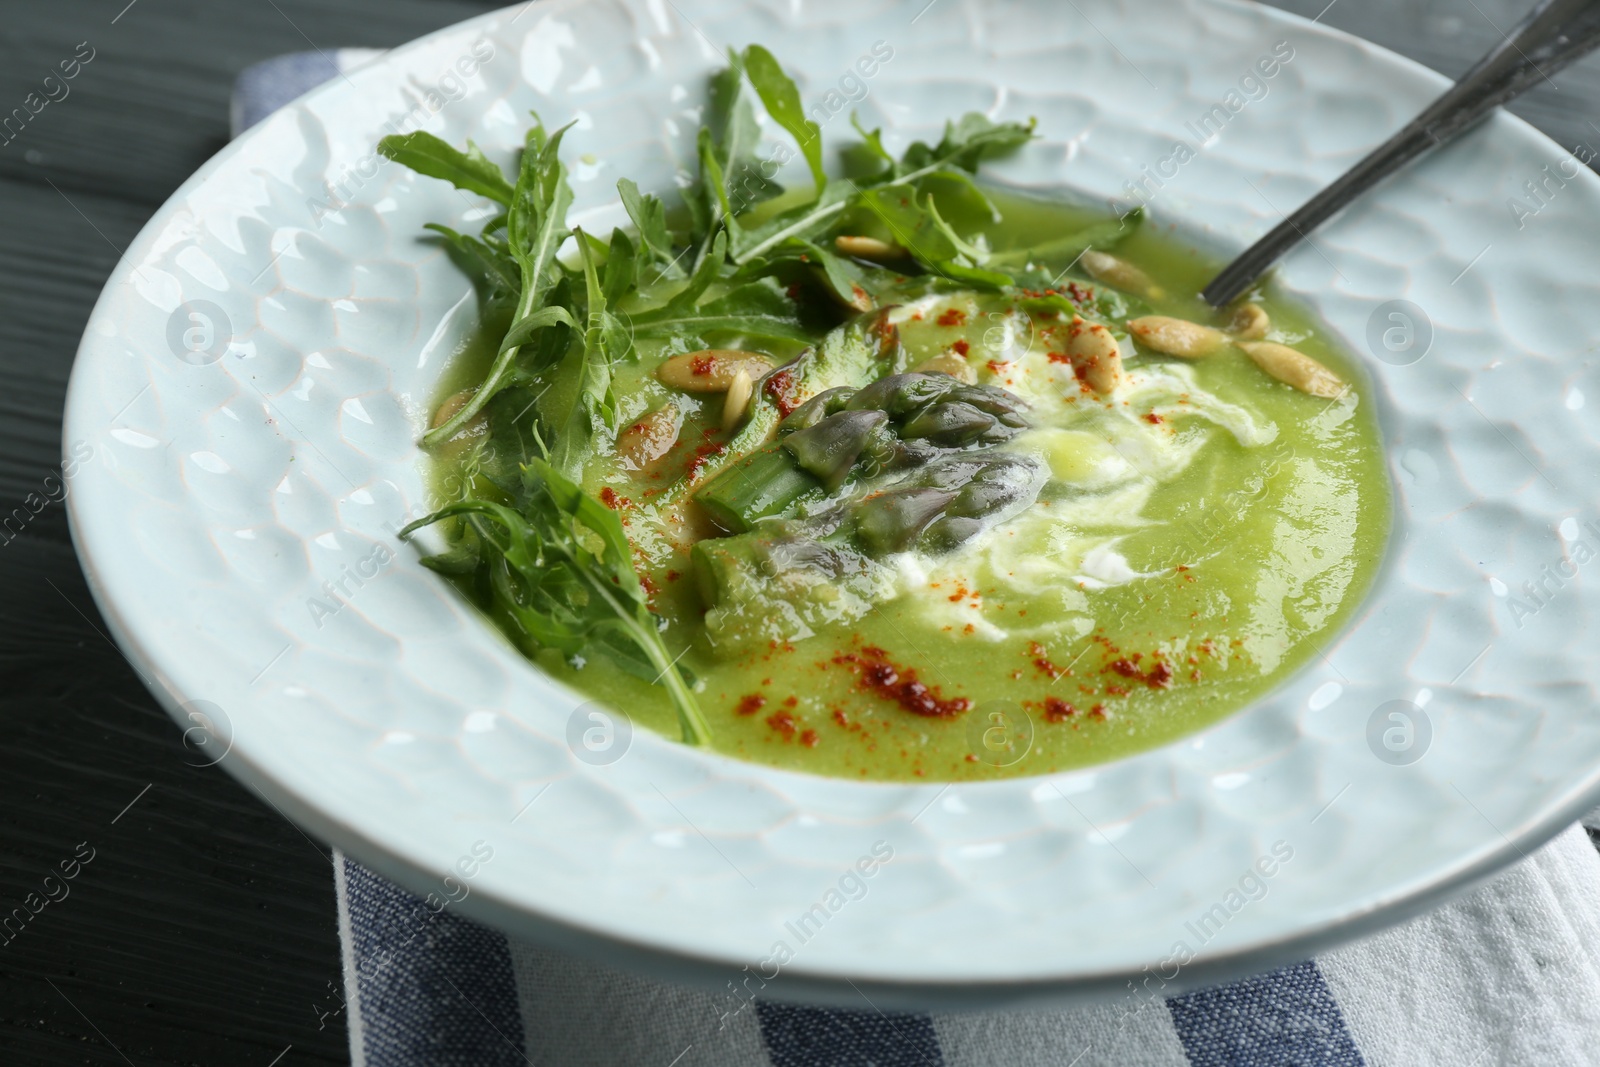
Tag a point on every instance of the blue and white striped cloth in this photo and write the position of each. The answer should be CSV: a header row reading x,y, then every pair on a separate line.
x,y
1509,974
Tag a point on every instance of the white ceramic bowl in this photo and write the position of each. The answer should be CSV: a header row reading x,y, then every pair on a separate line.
x,y
231,476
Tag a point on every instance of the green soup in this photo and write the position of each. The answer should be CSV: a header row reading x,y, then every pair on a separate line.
x,y
1171,550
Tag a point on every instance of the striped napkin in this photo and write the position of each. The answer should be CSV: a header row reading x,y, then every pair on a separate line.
x,y
1509,974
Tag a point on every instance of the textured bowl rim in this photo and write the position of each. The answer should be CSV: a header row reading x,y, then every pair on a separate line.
x,y
571,932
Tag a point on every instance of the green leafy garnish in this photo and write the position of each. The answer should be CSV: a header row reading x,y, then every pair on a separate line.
x,y
561,568
782,101
470,170
594,409
744,259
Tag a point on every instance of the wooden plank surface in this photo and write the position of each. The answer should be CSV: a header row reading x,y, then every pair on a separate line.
x,y
202,931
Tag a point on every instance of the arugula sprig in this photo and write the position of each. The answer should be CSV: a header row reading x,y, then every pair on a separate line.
x,y
534,225
561,568
964,145
593,414
546,555
557,564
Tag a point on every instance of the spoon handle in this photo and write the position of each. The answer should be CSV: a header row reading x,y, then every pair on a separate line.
x,y
1553,34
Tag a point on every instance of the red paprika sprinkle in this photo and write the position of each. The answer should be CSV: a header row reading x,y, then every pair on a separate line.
x,y
1157,677
1058,710
899,684
1042,661
781,388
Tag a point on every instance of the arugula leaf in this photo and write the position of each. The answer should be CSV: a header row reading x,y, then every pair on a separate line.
x,y
805,221
535,228
486,263
523,331
712,177
968,141
844,279
756,310
561,592
594,408
965,144
1101,235
729,139
922,232
872,140
621,268
536,221
470,170
649,217
958,191
782,99
708,270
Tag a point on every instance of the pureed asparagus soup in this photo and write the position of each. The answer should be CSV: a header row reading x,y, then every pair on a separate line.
x,y
896,477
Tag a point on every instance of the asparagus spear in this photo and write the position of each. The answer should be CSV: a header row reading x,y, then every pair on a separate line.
x,y
842,435
788,577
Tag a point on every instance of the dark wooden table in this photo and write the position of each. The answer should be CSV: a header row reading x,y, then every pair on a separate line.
x,y
202,931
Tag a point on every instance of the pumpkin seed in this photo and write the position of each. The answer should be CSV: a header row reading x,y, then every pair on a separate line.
x,y
711,370
869,248
737,402
1249,323
647,440
1104,267
1096,357
1295,368
948,363
1176,337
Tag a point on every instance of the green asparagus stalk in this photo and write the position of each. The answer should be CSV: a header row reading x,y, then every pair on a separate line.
x,y
842,435
789,576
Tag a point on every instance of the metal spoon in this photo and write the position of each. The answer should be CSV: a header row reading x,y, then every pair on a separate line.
x,y
1553,34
